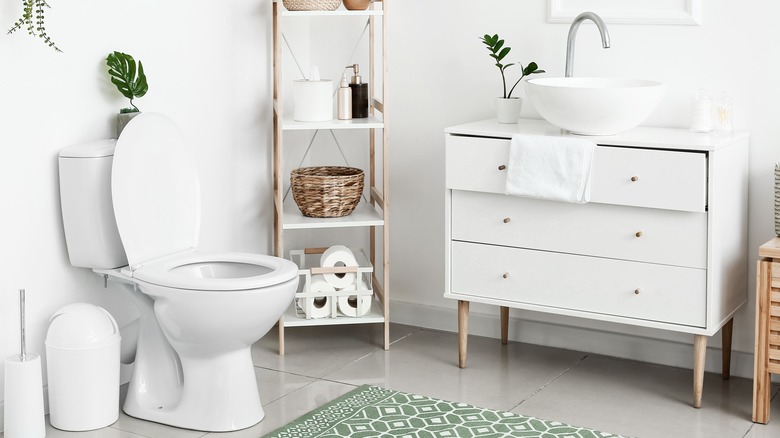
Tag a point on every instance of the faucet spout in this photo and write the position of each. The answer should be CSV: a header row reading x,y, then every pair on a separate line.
x,y
575,25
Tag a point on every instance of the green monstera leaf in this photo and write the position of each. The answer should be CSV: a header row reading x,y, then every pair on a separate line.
x,y
129,79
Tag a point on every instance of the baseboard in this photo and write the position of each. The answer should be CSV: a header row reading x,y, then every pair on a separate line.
x,y
609,339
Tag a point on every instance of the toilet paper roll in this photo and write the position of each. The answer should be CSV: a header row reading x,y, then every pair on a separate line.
x,y
320,306
355,305
339,256
24,417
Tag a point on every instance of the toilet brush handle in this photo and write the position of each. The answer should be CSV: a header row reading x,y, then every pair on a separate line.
x,y
23,354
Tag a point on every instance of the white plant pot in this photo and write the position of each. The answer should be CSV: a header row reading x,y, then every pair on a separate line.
x,y
122,119
508,110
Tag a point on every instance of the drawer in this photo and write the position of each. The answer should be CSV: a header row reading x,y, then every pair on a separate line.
x,y
649,178
642,234
638,177
666,294
476,163
773,318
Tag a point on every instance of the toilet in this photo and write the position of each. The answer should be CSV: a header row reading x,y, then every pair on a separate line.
x,y
131,213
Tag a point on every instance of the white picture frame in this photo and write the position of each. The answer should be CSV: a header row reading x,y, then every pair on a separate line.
x,y
669,12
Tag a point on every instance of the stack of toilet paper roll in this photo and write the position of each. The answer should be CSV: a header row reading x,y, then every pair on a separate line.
x,y
328,284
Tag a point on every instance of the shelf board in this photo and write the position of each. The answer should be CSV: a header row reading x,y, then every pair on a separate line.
x,y
366,123
374,316
308,261
364,215
337,12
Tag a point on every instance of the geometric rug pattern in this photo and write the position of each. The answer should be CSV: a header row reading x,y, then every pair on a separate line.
x,y
371,411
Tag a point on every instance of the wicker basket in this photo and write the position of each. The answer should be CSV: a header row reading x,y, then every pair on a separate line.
x,y
311,5
777,199
328,191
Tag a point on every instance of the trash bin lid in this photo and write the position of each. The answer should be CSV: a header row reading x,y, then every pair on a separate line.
x,y
81,326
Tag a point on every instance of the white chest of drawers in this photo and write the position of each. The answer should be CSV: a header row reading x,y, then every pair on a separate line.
x,y
662,243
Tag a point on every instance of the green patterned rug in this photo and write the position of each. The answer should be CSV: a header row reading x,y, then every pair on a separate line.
x,y
371,411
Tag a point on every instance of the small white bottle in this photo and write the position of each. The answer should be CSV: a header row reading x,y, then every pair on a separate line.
x,y
345,99
723,107
701,112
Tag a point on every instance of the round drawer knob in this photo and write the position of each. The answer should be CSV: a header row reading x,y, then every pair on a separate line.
x,y
634,178
502,167
507,220
506,275
638,234
637,291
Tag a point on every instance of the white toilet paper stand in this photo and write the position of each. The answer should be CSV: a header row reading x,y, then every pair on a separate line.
x,y
23,395
311,271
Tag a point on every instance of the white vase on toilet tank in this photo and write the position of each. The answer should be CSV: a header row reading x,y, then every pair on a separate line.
x,y
200,311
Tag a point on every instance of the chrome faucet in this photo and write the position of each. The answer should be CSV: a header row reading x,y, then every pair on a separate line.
x,y
575,25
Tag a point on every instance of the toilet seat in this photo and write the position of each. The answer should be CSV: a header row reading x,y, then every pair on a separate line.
x,y
221,271
156,197
155,190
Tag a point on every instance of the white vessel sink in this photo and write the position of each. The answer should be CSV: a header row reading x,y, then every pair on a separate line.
x,y
594,106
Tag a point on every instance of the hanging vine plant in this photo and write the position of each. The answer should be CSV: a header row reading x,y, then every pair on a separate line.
x,y
32,20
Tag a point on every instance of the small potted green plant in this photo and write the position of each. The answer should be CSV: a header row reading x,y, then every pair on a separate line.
x,y
130,80
507,107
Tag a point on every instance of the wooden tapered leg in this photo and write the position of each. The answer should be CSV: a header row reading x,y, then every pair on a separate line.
x,y
281,337
699,354
761,377
504,325
725,334
463,331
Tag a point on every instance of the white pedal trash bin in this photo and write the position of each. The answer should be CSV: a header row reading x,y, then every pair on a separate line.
x,y
82,366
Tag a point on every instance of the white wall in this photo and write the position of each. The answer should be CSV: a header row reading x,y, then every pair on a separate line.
x,y
442,75
209,67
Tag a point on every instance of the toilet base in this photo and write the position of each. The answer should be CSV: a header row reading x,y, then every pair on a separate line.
x,y
214,394
218,395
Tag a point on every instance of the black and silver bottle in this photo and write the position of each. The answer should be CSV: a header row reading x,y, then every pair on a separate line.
x,y
359,94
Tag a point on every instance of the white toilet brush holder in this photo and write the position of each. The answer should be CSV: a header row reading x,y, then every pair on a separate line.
x,y
23,395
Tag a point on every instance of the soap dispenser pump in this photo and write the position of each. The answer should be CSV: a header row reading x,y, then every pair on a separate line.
x,y
359,94
345,99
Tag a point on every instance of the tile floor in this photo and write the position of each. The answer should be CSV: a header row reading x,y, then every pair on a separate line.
x,y
614,395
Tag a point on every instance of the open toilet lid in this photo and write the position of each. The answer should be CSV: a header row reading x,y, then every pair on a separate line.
x,y
155,189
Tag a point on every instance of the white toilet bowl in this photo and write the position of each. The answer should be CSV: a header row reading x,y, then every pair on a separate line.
x,y
200,311
193,367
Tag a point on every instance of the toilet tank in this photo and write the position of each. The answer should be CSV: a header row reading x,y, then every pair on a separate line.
x,y
87,211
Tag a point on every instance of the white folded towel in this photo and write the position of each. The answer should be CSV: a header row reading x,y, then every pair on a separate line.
x,y
553,168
